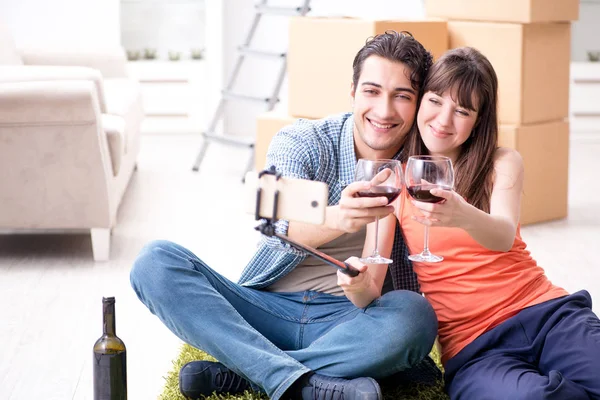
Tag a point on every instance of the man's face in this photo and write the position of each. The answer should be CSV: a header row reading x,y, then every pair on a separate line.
x,y
385,105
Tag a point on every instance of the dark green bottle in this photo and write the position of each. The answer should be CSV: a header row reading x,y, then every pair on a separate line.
x,y
110,365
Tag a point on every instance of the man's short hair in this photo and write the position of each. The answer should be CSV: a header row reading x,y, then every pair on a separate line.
x,y
397,47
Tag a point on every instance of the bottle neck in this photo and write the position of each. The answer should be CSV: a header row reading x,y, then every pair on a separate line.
x,y
109,318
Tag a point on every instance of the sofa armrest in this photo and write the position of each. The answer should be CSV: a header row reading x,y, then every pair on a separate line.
x,y
28,73
111,62
54,153
48,102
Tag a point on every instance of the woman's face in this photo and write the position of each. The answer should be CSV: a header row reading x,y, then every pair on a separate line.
x,y
444,125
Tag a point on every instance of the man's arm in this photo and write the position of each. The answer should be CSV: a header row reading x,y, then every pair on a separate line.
x,y
294,157
349,216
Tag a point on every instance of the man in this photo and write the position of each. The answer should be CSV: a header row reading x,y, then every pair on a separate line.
x,y
294,327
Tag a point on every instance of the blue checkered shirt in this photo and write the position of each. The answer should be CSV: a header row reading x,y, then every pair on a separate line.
x,y
321,150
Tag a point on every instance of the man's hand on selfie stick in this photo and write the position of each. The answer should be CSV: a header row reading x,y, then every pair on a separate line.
x,y
358,283
362,289
354,212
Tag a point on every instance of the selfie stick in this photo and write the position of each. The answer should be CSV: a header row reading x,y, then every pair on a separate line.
x,y
267,228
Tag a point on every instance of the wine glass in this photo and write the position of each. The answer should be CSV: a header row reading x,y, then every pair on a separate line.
x,y
386,181
422,174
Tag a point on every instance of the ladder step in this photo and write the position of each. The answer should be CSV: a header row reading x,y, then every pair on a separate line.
x,y
272,10
230,139
260,53
229,95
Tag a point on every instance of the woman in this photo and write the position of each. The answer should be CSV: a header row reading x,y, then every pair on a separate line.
x,y
506,331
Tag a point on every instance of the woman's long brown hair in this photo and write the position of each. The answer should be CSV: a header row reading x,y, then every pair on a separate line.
x,y
469,76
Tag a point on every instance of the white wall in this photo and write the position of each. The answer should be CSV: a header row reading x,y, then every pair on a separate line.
x,y
586,32
164,25
240,119
35,23
97,22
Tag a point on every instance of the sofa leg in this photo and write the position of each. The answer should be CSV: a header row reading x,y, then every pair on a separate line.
x,y
100,243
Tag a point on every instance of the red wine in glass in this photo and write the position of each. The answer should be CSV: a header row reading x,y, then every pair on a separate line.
x,y
423,193
381,191
385,180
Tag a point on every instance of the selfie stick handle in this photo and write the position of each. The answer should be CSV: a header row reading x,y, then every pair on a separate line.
x,y
267,228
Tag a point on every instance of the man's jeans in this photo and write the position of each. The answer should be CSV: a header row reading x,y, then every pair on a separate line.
x,y
273,338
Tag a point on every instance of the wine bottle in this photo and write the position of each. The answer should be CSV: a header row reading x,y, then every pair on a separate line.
x,y
110,366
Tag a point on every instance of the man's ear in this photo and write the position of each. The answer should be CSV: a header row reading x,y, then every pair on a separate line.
x,y
352,90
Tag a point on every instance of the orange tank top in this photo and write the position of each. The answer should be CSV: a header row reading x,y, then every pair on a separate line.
x,y
473,289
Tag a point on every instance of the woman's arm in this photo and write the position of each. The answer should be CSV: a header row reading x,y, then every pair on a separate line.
x,y
496,230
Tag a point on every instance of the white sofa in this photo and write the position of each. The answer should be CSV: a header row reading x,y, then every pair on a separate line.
x,y
69,138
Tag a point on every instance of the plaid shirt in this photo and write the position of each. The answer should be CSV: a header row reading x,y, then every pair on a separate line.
x,y
321,150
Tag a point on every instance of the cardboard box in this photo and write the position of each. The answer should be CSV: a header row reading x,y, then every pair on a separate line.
x,y
532,63
525,11
321,52
545,151
267,125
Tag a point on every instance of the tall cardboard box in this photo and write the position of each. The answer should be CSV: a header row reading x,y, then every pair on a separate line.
x,y
525,11
545,151
532,63
267,125
321,52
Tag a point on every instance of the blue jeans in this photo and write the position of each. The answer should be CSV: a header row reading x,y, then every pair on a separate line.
x,y
547,351
273,338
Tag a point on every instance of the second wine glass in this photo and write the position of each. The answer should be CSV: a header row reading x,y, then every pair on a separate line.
x,y
386,181
424,173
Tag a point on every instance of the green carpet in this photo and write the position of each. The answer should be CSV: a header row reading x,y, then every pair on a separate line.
x,y
188,353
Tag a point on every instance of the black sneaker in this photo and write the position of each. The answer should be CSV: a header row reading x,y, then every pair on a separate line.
x,y
324,387
202,378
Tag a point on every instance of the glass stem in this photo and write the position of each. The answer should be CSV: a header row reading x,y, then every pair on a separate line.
x,y
425,252
376,251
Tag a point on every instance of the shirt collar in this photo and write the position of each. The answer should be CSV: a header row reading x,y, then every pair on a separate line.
x,y
348,155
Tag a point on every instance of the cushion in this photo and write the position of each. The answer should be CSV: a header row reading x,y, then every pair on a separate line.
x,y
124,98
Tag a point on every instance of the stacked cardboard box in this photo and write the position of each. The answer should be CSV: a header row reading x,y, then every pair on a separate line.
x,y
528,43
321,51
267,125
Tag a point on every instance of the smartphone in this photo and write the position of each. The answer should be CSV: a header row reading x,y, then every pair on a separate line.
x,y
300,200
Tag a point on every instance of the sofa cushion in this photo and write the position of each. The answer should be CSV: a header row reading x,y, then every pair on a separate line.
x,y
8,52
114,126
124,98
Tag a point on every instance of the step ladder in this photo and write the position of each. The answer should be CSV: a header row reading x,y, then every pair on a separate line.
x,y
229,94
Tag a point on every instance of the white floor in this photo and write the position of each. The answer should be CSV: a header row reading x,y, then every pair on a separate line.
x,y
50,290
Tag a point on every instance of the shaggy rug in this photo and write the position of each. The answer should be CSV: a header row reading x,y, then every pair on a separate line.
x,y
188,353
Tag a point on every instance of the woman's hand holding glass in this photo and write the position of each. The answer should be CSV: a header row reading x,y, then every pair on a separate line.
x,y
447,213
